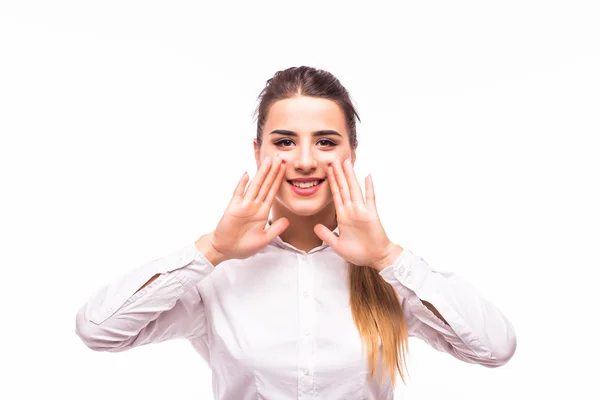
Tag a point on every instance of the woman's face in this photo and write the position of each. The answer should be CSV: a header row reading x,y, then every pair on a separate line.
x,y
306,151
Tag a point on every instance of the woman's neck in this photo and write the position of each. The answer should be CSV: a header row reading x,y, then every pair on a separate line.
x,y
300,233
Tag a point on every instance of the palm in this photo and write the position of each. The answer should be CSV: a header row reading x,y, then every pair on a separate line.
x,y
358,234
241,231
362,239
249,222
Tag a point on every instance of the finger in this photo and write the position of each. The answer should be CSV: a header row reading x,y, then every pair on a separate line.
x,y
276,185
335,190
239,190
326,235
276,229
370,192
273,172
353,185
257,181
341,182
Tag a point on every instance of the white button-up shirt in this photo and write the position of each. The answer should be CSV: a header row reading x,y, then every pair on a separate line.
x,y
278,325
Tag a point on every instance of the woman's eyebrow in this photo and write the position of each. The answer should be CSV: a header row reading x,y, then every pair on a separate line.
x,y
324,132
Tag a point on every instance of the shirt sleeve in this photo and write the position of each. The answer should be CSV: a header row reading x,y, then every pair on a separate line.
x,y
477,332
116,318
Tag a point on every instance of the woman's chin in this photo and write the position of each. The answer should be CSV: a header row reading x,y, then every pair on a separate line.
x,y
305,212
305,207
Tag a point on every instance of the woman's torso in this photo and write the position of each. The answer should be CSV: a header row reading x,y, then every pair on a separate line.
x,y
279,326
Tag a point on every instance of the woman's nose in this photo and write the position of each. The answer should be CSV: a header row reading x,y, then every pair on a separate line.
x,y
305,161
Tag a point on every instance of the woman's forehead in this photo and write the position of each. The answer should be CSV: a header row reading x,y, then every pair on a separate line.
x,y
305,114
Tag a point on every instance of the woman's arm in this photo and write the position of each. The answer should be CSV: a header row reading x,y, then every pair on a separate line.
x,y
157,301
449,314
389,260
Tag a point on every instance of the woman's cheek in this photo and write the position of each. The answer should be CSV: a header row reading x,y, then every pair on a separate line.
x,y
329,159
324,160
285,157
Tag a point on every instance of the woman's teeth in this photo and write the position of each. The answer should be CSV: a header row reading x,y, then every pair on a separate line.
x,y
305,185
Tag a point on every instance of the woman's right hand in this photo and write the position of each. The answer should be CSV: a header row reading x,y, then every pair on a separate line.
x,y
241,231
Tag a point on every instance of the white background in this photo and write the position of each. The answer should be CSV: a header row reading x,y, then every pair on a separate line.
x,y
127,124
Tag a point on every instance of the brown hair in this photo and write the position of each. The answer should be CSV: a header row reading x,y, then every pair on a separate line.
x,y
375,306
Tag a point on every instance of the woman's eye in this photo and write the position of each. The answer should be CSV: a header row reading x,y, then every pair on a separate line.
x,y
328,143
280,143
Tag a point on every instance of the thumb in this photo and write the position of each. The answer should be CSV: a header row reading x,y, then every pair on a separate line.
x,y
326,235
276,228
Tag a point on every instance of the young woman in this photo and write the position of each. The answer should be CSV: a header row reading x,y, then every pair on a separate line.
x,y
298,293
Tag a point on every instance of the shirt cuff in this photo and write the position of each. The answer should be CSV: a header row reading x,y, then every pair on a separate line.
x,y
408,269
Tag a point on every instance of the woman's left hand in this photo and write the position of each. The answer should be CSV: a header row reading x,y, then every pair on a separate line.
x,y
362,239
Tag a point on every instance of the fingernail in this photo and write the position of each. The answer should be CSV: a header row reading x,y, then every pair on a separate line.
x,y
267,158
277,155
337,157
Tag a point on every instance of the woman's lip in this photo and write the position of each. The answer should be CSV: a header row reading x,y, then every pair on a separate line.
x,y
306,191
294,180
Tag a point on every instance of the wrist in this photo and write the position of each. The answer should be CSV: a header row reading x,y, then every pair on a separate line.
x,y
388,259
204,245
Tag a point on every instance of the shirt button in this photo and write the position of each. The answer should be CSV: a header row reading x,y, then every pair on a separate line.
x,y
305,371
305,294
306,333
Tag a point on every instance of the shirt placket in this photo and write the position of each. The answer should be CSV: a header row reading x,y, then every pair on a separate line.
x,y
306,350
